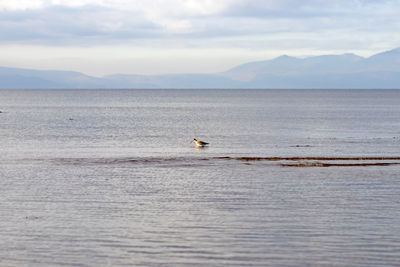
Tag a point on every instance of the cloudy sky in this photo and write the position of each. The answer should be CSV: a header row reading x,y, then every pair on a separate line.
x,y
100,37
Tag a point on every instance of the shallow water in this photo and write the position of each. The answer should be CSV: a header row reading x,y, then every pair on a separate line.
x,y
98,177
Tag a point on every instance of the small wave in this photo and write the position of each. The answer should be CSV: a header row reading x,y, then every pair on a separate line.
x,y
324,161
280,161
306,158
323,164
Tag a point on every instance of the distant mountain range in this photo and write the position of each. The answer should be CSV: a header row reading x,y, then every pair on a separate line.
x,y
380,71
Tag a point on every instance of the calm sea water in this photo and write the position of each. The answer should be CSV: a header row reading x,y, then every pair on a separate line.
x,y
109,177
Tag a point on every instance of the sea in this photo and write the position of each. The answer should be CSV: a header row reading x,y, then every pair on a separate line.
x,y
111,178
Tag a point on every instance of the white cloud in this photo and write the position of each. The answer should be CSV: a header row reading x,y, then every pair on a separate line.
x,y
155,8
170,16
21,4
73,3
206,7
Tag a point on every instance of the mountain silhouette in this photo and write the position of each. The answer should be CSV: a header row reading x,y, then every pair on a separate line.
x,y
381,71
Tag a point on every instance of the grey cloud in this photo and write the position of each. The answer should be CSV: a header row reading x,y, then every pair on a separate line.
x,y
65,24
309,8
313,16
91,25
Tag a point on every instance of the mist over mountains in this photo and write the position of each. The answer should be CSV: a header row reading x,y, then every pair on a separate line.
x,y
381,71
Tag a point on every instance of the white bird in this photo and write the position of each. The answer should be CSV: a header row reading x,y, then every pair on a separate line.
x,y
199,143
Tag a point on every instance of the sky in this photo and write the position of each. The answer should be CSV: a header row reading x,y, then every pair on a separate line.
x,y
102,37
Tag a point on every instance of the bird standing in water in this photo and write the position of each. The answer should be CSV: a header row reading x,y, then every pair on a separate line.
x,y
199,143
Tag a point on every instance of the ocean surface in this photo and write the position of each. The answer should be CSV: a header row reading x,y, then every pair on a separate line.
x,y
110,178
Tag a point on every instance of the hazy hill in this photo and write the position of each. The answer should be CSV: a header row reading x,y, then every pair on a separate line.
x,y
328,71
190,81
386,61
288,66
